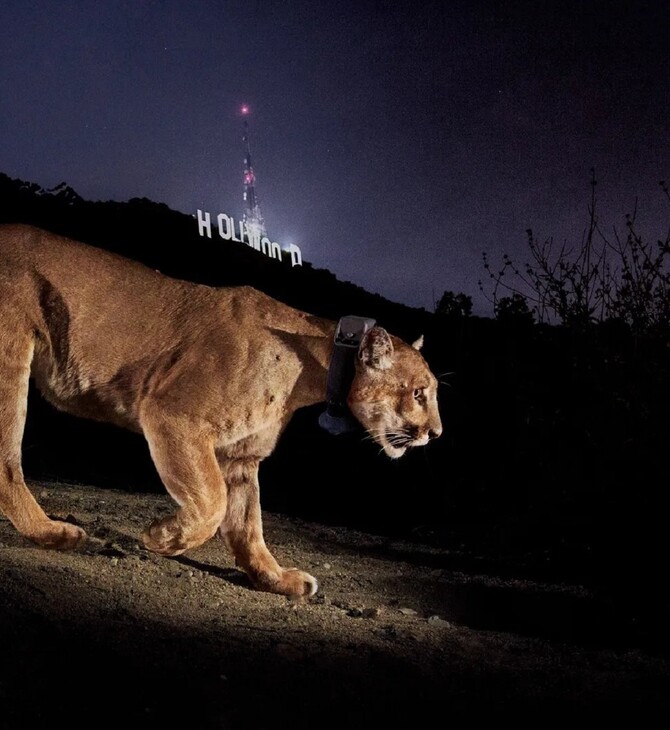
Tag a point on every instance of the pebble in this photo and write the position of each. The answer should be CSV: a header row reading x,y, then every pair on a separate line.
x,y
112,551
389,631
114,561
437,621
407,611
44,494
326,566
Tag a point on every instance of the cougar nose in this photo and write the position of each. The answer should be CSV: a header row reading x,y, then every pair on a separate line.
x,y
433,433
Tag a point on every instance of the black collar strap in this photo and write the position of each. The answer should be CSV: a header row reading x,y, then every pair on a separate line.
x,y
337,419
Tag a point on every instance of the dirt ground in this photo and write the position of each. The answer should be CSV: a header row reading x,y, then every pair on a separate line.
x,y
397,633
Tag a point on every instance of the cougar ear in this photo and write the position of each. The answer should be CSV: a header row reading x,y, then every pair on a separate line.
x,y
376,350
418,344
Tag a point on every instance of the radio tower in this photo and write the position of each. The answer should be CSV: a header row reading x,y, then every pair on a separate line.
x,y
253,218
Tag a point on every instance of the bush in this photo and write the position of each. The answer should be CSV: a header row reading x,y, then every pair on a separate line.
x,y
625,278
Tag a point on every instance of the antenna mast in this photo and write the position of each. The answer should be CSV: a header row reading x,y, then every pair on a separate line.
x,y
253,218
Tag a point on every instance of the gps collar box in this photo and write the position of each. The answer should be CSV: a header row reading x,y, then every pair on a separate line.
x,y
349,333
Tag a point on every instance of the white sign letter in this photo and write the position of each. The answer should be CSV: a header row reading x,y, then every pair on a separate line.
x,y
241,238
253,237
204,224
225,231
296,254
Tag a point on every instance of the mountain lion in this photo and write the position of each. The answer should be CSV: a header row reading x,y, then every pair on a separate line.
x,y
209,376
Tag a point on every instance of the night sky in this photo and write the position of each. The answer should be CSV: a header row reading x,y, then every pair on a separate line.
x,y
393,141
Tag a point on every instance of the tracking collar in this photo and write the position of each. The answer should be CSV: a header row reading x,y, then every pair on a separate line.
x,y
349,333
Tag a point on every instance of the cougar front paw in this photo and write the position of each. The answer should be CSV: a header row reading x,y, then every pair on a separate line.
x,y
57,535
297,583
165,537
290,582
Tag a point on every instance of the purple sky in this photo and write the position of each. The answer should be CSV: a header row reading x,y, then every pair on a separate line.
x,y
393,141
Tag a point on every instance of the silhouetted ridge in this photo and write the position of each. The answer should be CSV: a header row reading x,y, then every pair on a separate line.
x,y
169,241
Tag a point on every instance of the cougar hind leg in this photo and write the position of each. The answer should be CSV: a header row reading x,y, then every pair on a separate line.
x,y
16,500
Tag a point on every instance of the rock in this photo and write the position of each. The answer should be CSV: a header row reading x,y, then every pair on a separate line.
x,y
408,612
326,566
112,550
114,561
355,612
437,621
370,612
389,632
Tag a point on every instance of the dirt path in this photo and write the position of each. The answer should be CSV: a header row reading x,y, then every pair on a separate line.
x,y
114,633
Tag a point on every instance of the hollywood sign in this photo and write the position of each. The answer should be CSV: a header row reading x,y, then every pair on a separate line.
x,y
231,230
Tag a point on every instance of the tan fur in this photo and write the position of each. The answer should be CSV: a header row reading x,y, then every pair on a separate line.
x,y
210,376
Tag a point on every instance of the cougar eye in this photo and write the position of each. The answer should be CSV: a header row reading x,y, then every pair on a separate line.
x,y
418,394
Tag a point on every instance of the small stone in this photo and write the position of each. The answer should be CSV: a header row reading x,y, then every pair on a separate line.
x,y
389,631
438,621
112,550
44,494
114,561
326,566
407,611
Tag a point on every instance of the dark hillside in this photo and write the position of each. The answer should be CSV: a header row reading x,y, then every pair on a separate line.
x,y
555,445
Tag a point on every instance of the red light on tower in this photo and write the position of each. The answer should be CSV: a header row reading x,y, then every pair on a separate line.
x,y
244,109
